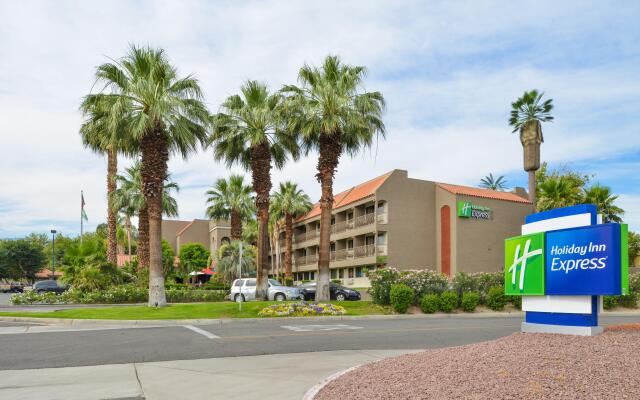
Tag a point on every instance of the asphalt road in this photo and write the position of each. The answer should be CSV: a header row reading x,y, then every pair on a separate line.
x,y
243,338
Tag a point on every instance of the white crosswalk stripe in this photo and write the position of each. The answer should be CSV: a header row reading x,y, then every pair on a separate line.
x,y
202,332
314,328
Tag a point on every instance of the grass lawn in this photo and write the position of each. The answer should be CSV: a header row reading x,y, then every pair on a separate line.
x,y
225,309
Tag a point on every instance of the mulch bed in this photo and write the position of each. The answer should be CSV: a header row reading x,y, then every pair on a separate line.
x,y
520,366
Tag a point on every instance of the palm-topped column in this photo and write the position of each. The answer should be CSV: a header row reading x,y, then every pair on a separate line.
x,y
527,113
249,132
231,200
101,137
290,202
333,116
163,114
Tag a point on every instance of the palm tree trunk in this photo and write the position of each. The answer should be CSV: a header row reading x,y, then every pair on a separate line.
x,y
532,188
288,239
143,238
153,171
261,176
330,150
112,241
236,226
128,223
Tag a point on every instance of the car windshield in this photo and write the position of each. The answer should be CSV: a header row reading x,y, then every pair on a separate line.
x,y
274,282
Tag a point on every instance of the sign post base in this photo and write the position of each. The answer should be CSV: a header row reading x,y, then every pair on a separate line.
x,y
528,327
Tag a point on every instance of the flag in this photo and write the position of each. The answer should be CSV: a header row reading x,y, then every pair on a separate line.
x,y
82,203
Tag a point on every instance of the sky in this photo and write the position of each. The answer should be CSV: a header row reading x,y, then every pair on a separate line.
x,y
448,71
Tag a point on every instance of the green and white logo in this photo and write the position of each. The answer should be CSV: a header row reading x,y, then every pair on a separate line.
x,y
464,209
524,268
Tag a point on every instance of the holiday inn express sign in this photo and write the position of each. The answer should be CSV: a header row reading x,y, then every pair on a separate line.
x,y
468,210
587,260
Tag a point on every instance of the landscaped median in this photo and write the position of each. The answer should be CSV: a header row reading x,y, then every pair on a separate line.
x,y
214,310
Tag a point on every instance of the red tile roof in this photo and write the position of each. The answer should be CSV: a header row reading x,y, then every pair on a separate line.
x,y
349,196
484,193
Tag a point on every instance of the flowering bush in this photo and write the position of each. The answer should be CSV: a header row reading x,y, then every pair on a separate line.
x,y
116,295
301,309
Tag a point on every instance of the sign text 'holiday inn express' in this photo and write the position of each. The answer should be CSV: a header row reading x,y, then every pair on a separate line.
x,y
589,260
468,210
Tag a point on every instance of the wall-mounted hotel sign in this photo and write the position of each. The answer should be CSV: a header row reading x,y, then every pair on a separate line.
x,y
468,210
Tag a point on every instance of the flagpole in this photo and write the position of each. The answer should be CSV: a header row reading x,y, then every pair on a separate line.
x,y
81,215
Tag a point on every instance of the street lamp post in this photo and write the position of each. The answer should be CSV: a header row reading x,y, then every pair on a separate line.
x,y
53,254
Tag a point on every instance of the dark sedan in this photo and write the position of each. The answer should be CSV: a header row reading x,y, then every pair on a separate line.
x,y
49,286
336,292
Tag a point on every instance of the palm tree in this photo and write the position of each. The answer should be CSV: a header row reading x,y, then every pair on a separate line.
x,y
101,138
129,200
489,182
333,116
526,115
556,192
602,197
231,200
163,114
248,131
228,257
289,203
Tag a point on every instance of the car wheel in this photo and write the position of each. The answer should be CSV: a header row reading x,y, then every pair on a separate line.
x,y
341,297
239,298
280,297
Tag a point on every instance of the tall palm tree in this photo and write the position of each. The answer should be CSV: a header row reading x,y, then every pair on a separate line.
x,y
164,114
248,131
290,202
489,182
333,116
556,192
527,113
129,200
102,138
231,200
602,197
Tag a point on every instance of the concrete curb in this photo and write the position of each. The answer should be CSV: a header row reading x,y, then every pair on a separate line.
x,y
315,389
212,321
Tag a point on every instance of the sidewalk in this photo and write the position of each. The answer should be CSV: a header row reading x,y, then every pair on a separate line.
x,y
281,376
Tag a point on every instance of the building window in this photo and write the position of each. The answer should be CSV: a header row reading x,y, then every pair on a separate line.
x,y
334,274
370,209
351,273
312,275
225,240
359,272
382,207
341,273
382,239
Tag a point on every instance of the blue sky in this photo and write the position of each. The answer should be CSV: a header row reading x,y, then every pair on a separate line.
x,y
448,70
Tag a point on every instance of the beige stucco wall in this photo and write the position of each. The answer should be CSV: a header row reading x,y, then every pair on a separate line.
x,y
480,243
411,223
170,229
196,232
218,230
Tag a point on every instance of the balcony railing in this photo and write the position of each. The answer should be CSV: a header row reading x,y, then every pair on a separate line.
x,y
304,236
338,227
341,255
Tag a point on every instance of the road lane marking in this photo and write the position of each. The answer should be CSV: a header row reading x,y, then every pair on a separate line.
x,y
315,328
202,332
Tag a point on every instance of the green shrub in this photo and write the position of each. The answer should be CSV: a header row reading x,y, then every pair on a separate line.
x,y
448,301
609,302
429,303
516,301
628,300
486,281
424,282
337,281
463,283
470,301
381,281
496,299
288,281
401,297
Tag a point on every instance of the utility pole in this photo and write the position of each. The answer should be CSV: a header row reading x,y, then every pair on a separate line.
x,y
53,254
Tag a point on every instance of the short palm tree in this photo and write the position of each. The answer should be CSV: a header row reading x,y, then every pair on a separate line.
x,y
129,200
527,113
228,257
231,200
333,116
290,202
248,131
556,192
489,182
98,136
602,197
164,114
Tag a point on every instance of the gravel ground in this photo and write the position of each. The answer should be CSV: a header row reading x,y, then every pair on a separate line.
x,y
520,366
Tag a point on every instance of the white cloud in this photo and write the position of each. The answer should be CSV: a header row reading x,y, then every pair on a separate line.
x,y
447,70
